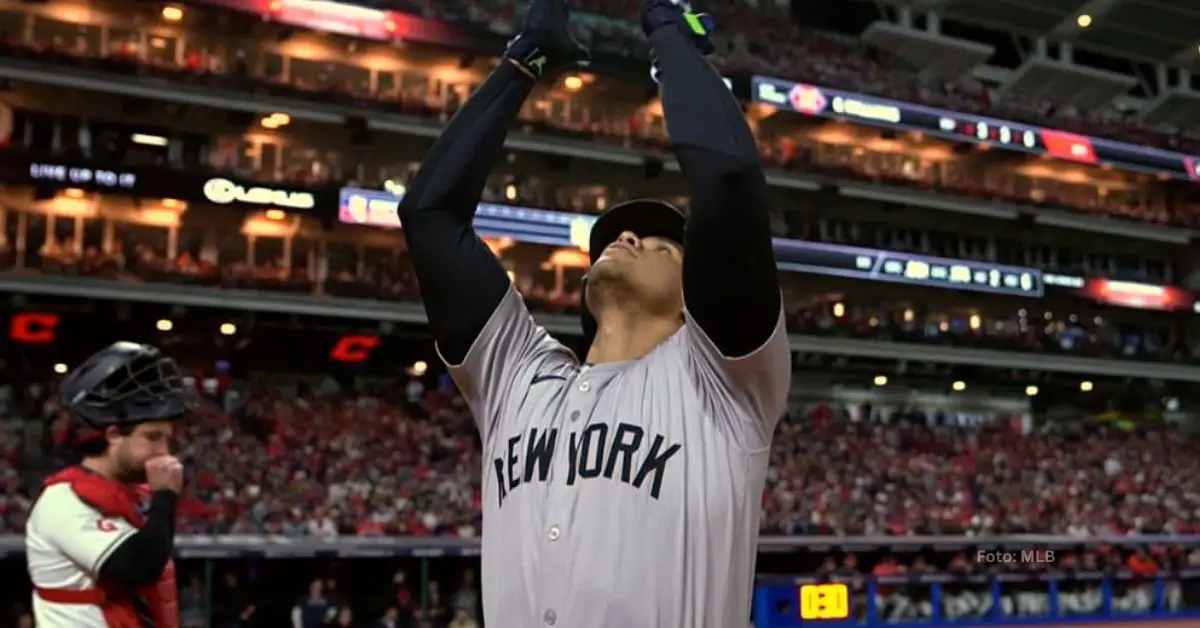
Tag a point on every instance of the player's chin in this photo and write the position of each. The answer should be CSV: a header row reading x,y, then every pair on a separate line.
x,y
610,268
605,260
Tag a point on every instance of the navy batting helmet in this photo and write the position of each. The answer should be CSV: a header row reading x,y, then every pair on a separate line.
x,y
644,217
126,384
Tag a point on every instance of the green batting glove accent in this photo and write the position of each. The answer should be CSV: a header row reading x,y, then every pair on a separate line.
x,y
693,22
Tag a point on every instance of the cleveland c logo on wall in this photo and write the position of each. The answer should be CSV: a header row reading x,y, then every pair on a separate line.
x,y
226,192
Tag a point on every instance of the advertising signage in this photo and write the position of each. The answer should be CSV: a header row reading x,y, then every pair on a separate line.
x,y
380,209
158,182
825,102
1126,294
360,21
224,191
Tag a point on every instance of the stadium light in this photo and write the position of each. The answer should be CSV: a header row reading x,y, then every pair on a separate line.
x,y
228,329
172,13
60,368
959,386
1031,391
164,325
146,139
1085,386
1084,21
881,380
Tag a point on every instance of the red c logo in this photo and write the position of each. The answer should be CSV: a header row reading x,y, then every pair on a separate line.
x,y
104,525
353,348
33,328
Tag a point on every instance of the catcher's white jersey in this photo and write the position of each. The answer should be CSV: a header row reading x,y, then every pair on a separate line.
x,y
66,542
624,494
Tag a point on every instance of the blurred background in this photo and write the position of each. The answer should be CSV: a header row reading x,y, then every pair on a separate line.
x,y
984,213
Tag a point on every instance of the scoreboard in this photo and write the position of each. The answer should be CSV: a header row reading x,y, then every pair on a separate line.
x,y
828,601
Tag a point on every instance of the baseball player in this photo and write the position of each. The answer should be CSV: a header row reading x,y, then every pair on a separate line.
x,y
624,490
96,558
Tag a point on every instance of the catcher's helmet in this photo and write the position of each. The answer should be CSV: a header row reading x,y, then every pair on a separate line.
x,y
644,217
126,384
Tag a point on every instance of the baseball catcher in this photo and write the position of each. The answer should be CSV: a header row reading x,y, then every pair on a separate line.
x,y
623,490
96,558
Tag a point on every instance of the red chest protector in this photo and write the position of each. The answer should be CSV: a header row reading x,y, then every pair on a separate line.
x,y
116,501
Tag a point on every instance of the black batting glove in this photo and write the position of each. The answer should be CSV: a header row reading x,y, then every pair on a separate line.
x,y
544,41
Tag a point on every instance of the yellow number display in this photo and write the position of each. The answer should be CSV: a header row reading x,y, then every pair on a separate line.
x,y
824,601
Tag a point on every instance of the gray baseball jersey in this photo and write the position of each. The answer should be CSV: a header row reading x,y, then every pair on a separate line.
x,y
624,494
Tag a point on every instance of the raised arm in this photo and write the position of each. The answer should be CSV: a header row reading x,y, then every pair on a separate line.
x,y
462,283
728,257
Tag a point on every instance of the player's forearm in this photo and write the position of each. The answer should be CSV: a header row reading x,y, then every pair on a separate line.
x,y
461,281
141,558
701,112
454,172
717,153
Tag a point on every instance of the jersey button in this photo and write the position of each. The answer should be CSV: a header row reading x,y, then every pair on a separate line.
x,y
549,617
584,387
554,533
575,415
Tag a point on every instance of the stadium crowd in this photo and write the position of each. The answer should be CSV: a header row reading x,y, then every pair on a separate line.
x,y
135,257
405,461
330,465
223,66
763,38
